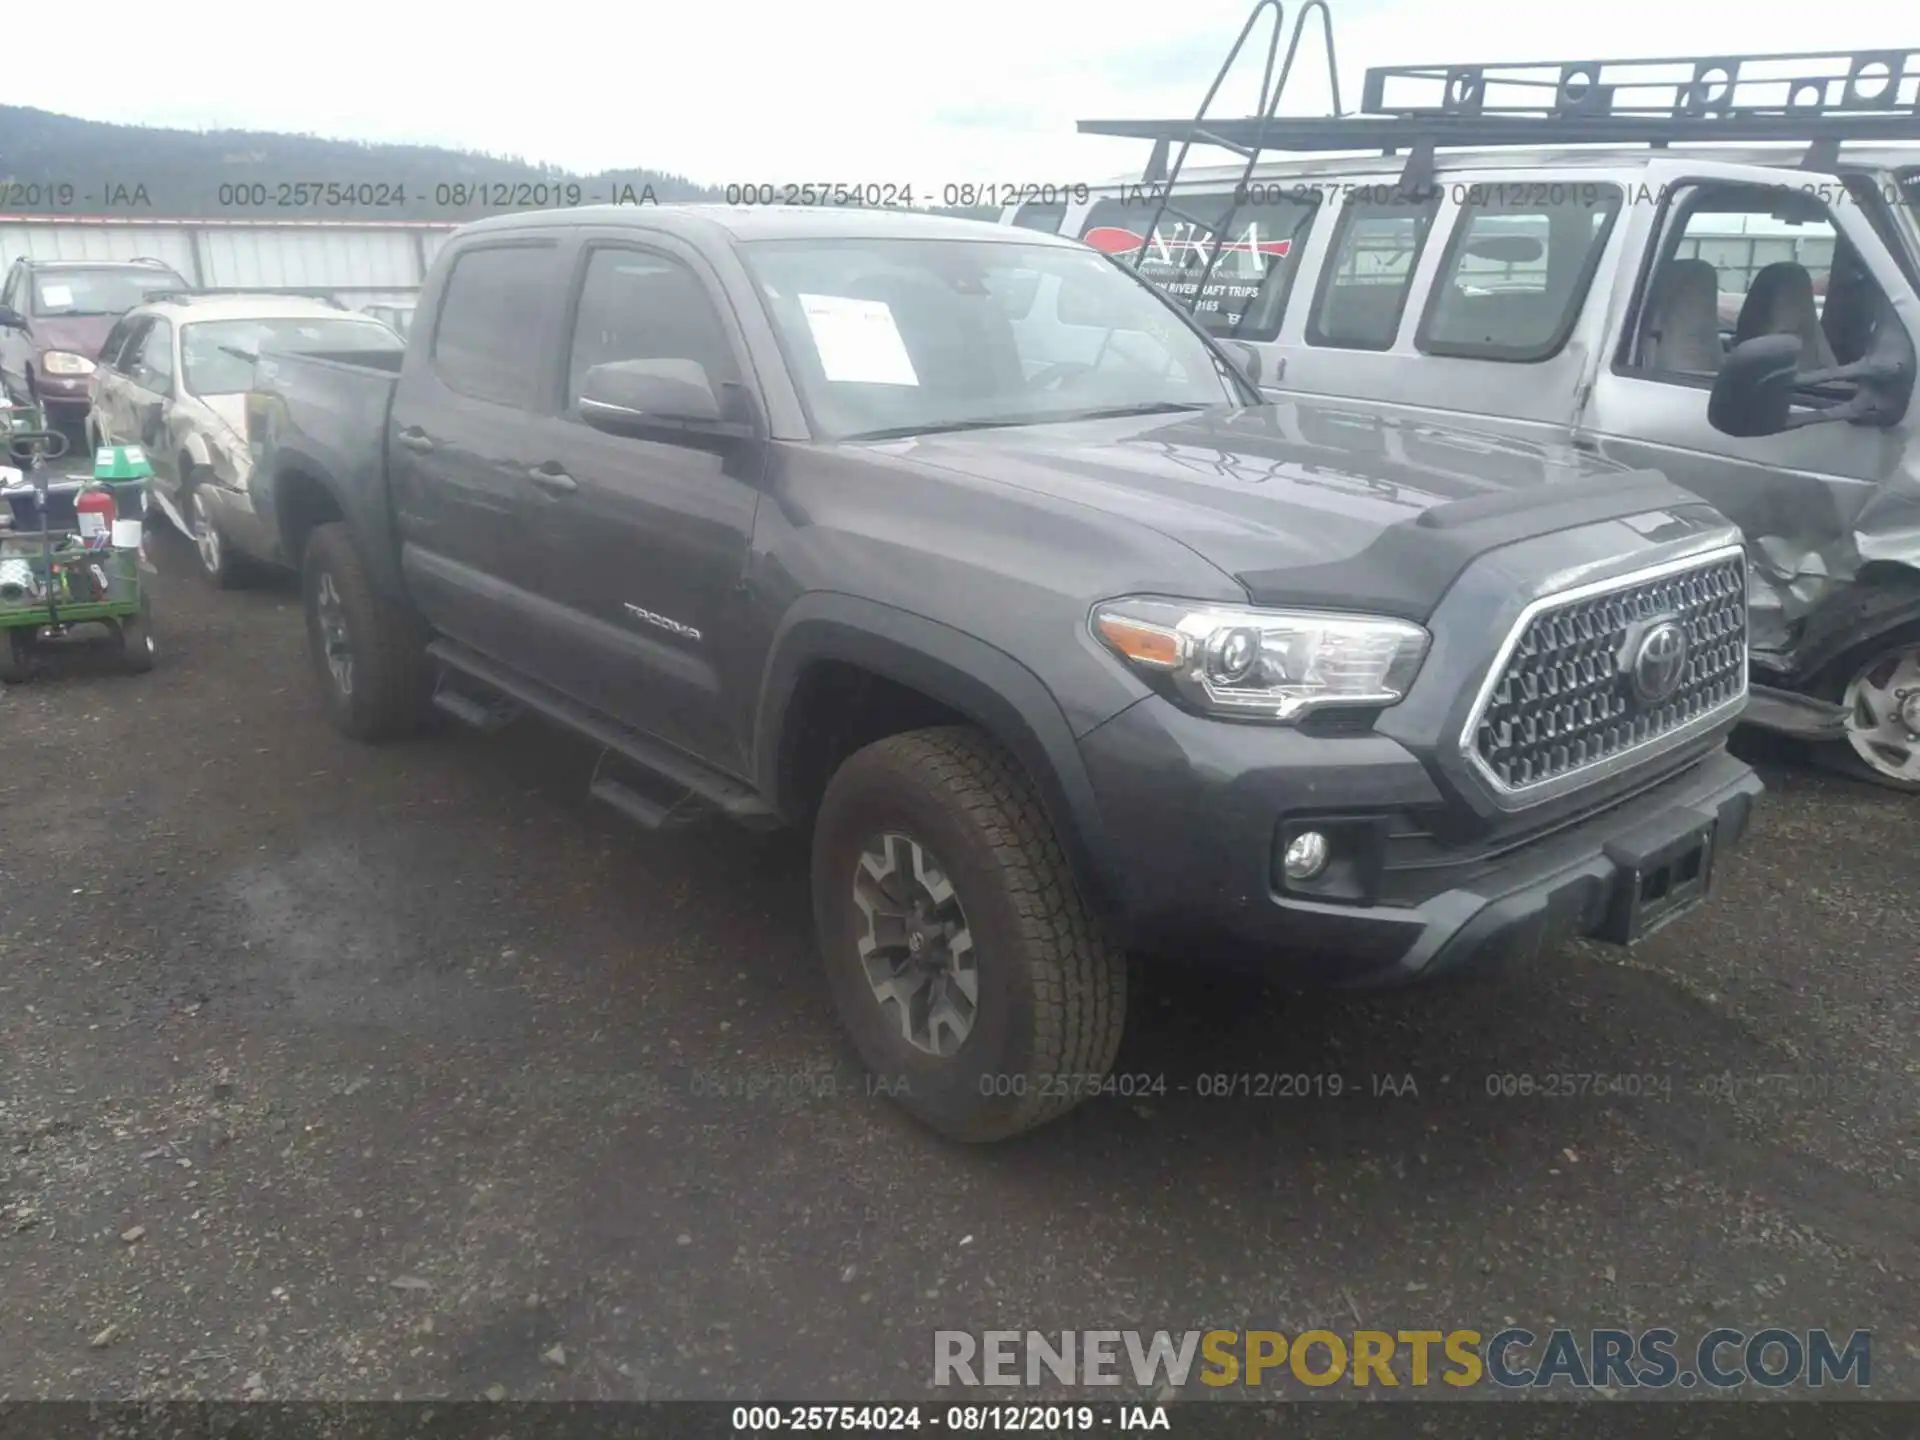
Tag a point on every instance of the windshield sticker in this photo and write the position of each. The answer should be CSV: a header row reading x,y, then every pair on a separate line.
x,y
858,341
56,295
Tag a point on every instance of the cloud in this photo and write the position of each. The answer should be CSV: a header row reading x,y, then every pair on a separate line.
x,y
857,90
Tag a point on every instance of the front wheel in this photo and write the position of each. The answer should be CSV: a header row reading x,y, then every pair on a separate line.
x,y
137,652
369,653
974,981
1879,688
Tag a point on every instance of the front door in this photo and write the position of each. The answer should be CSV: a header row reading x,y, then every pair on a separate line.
x,y
646,537
1741,251
146,387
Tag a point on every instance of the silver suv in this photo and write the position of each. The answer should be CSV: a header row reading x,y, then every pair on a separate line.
x,y
1743,319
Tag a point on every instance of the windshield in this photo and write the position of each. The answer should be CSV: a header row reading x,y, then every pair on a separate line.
x,y
98,292
1910,187
216,356
897,337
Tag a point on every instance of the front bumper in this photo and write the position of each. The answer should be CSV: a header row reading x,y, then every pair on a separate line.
x,y
1194,814
63,395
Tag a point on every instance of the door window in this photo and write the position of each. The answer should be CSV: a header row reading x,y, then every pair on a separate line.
x,y
486,341
131,345
154,369
636,305
1517,270
1739,261
1363,289
1261,243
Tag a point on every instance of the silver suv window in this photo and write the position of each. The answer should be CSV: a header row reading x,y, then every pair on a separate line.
x,y
1247,290
1364,284
1517,270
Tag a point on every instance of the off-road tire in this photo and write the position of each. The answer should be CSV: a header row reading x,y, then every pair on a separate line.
x,y
136,639
391,680
1052,987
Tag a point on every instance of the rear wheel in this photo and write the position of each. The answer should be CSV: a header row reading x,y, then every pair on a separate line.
x,y
369,653
225,567
1878,686
974,981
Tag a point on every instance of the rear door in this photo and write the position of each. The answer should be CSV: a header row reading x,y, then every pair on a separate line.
x,y
647,536
1470,308
1797,494
461,444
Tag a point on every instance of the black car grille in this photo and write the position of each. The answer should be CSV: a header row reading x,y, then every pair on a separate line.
x,y
1566,699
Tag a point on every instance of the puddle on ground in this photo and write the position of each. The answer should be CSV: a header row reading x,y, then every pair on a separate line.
x,y
343,936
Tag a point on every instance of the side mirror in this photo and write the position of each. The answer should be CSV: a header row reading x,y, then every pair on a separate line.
x,y
1753,393
11,319
633,397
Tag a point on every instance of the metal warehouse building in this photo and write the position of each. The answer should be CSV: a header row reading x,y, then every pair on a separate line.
x,y
355,261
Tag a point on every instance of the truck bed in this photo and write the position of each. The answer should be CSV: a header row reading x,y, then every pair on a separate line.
x,y
324,418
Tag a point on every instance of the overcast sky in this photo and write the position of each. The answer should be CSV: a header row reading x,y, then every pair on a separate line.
x,y
889,91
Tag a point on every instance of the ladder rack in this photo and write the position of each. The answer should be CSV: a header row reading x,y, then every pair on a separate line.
x,y
1248,138
1823,99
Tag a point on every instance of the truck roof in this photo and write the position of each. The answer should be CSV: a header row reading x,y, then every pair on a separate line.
x,y
1629,158
767,222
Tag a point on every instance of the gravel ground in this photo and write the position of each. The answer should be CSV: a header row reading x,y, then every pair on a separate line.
x,y
343,1073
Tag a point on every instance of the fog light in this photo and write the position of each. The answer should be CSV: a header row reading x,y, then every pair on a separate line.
x,y
1307,855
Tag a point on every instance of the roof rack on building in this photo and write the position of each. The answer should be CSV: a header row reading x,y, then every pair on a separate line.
x,y
1820,98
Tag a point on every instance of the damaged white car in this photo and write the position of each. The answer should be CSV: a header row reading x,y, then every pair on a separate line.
x,y
173,377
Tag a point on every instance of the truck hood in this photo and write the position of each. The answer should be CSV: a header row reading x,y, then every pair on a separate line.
x,y
1304,502
77,334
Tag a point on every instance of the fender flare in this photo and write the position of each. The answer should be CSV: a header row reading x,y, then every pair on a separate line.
x,y
985,684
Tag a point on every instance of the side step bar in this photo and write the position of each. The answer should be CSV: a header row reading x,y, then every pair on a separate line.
x,y
691,779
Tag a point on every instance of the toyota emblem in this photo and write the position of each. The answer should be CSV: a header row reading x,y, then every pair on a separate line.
x,y
1660,662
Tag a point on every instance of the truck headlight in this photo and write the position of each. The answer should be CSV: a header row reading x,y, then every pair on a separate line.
x,y
65,362
1272,665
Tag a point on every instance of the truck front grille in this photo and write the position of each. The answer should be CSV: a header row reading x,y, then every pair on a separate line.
x,y
1576,689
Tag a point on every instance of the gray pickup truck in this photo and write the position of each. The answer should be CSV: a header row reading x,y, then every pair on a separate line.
x,y
1061,641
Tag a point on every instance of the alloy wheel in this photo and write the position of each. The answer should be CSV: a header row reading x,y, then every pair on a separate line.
x,y
206,539
333,632
915,944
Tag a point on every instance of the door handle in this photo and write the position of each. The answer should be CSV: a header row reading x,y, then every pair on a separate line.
x,y
552,479
415,439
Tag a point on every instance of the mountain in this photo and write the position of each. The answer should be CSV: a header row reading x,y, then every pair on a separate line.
x,y
62,165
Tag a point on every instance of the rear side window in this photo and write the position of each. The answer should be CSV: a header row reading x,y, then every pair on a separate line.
x,y
486,340
1517,270
1363,289
1041,215
1246,293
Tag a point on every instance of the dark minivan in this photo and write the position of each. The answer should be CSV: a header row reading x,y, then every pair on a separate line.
x,y
54,316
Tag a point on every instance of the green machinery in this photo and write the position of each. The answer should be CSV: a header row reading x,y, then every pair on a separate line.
x,y
69,545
